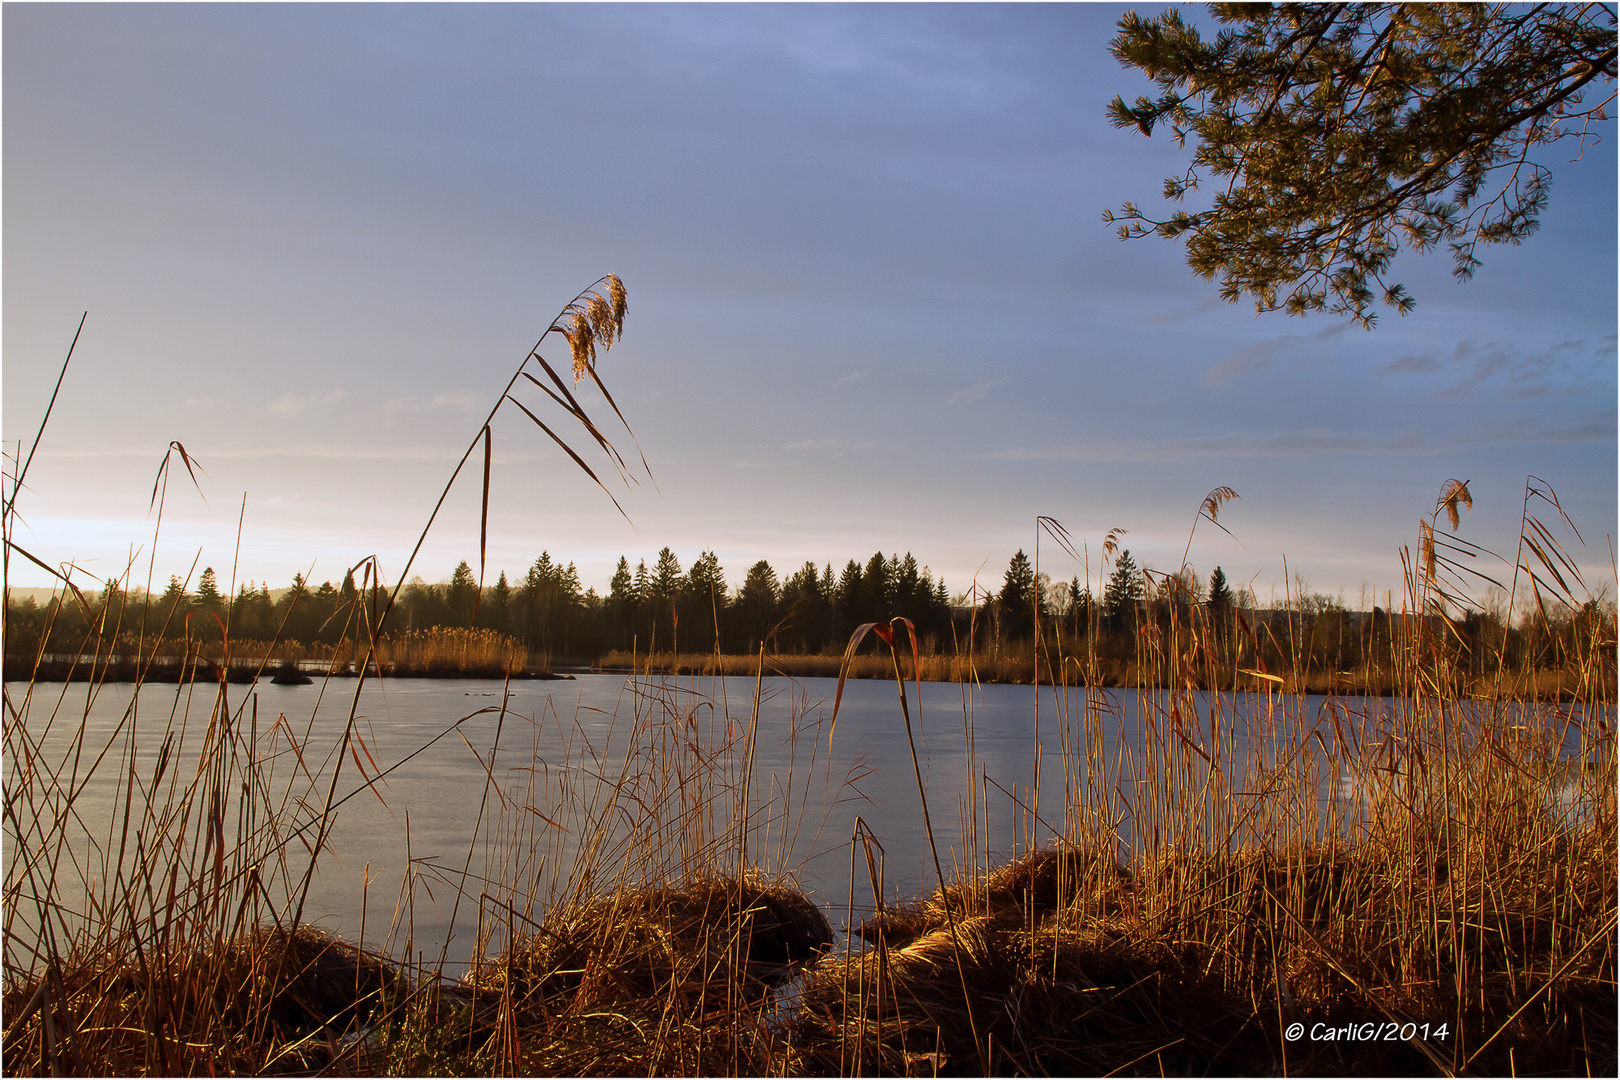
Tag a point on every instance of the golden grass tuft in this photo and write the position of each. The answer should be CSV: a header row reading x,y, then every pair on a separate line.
x,y
698,939
645,981
269,1002
1195,965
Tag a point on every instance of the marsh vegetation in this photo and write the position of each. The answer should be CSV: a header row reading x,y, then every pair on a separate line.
x,y
1180,901
692,623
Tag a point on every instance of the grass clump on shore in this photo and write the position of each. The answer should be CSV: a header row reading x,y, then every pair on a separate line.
x,y
266,1002
1099,974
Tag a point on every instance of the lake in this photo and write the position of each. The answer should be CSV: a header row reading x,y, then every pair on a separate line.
x,y
486,806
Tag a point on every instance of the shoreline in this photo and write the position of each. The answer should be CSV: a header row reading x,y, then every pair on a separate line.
x,y
1542,685
1545,685
205,672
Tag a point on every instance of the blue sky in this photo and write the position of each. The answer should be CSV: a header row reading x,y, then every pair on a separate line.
x,y
872,302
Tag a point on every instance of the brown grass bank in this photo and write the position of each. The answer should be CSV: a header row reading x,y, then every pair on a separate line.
x,y
1072,965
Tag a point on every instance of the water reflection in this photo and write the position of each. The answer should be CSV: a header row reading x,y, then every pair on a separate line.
x,y
483,797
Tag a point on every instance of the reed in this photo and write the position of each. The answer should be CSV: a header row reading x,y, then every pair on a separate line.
x,y
468,652
1186,897
1199,897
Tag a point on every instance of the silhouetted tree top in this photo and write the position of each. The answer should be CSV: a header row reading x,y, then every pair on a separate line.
x,y
706,581
1340,133
1018,583
666,580
208,596
621,588
1124,586
760,586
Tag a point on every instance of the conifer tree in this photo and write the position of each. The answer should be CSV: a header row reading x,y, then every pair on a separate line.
x,y
851,601
498,606
1017,597
757,602
621,585
1124,588
705,600
174,603
208,591
460,595
663,591
1336,134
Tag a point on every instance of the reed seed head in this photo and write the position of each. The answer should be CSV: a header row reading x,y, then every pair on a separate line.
x,y
1215,500
594,319
1453,492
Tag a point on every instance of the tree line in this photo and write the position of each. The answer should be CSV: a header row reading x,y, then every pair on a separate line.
x,y
661,607
665,608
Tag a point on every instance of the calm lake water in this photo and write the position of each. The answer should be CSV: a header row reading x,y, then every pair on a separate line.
x,y
458,812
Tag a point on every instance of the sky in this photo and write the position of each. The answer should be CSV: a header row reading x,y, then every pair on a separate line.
x,y
872,306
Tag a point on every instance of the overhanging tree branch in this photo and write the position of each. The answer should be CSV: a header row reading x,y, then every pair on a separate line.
x,y
1347,132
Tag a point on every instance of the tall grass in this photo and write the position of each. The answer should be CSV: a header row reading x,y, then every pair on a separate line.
x,y
1433,869
1431,878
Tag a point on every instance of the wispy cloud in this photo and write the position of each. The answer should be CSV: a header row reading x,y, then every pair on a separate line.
x,y
849,380
971,393
1411,365
290,404
1315,442
462,401
835,447
1569,368
1259,356
347,453
1309,441
1482,361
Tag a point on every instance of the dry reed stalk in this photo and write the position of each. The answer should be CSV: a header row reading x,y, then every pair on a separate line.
x,y
130,943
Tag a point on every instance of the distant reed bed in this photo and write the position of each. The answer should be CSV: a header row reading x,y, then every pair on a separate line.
x,y
442,652
455,651
1565,683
